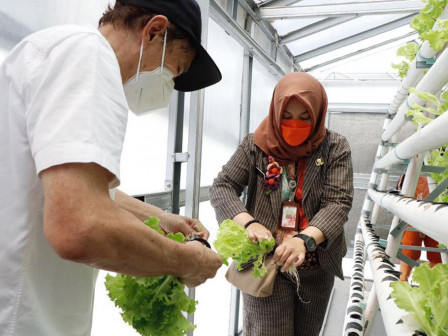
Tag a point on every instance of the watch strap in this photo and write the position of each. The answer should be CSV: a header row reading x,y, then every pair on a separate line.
x,y
306,240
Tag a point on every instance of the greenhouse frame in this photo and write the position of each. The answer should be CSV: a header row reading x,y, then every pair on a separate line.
x,y
172,156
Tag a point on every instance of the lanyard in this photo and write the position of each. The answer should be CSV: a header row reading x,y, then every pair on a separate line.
x,y
297,186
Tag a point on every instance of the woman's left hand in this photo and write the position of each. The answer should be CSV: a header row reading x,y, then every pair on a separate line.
x,y
291,252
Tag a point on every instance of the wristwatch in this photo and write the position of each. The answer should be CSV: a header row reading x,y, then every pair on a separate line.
x,y
310,243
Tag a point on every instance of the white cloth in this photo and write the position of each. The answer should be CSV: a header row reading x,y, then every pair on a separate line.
x,y
61,101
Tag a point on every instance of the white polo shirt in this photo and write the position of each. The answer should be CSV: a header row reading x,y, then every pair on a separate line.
x,y
61,101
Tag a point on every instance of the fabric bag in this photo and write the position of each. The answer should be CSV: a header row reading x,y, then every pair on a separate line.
x,y
247,283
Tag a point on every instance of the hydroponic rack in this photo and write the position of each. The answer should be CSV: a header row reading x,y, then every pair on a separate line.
x,y
428,73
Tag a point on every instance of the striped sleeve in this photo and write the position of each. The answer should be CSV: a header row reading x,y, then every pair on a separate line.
x,y
337,196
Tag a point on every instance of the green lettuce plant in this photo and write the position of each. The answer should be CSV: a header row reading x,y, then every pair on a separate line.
x,y
434,106
437,38
233,242
154,306
425,20
408,51
427,302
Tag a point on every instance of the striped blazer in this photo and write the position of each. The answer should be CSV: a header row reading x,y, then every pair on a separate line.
x,y
327,193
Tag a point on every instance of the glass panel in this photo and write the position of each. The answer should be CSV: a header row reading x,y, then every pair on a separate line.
x,y
222,104
263,84
355,47
143,161
341,31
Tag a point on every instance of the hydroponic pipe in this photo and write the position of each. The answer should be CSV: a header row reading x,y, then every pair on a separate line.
x,y
353,323
431,136
434,81
412,173
383,274
382,185
371,209
414,74
428,218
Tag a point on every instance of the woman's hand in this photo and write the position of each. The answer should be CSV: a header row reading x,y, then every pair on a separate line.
x,y
257,232
291,252
174,223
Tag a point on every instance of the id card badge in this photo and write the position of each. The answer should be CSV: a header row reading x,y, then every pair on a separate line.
x,y
289,219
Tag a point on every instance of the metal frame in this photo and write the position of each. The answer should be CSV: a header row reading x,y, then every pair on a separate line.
x,y
355,38
341,9
314,28
227,19
424,216
221,17
409,36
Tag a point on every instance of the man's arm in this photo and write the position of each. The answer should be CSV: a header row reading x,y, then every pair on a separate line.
x,y
139,209
83,224
168,222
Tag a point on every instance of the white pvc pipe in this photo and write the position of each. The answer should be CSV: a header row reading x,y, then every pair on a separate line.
x,y
382,279
353,323
414,74
431,136
372,301
381,186
408,189
428,218
433,82
393,243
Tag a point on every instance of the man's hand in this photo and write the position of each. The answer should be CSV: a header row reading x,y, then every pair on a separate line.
x,y
207,263
291,251
174,223
257,232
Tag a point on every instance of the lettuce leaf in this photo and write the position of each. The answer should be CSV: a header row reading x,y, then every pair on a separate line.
x,y
233,242
427,302
408,51
425,20
402,67
437,38
154,306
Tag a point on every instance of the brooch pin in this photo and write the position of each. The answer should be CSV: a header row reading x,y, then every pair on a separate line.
x,y
271,180
319,162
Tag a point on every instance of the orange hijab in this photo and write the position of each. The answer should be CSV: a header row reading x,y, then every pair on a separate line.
x,y
307,90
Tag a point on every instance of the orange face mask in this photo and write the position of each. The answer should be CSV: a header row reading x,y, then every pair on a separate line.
x,y
295,132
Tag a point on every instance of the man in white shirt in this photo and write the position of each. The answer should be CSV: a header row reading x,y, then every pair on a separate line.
x,y
63,113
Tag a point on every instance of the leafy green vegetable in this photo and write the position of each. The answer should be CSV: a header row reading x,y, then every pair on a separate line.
x,y
426,303
416,110
437,38
438,157
425,20
233,242
153,305
408,51
426,96
403,68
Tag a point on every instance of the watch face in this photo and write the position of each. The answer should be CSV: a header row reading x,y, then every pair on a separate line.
x,y
311,244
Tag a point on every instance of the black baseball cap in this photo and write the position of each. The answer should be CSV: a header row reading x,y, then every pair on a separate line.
x,y
186,14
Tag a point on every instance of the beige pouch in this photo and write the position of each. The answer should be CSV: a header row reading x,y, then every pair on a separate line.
x,y
247,283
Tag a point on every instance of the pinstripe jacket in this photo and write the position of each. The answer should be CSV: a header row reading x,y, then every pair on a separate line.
x,y
327,193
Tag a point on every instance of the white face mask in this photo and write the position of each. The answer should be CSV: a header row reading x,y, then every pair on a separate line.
x,y
147,91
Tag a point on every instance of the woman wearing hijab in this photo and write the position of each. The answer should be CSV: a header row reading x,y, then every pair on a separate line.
x,y
299,181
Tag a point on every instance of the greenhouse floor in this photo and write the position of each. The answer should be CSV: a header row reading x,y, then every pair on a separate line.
x,y
336,313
